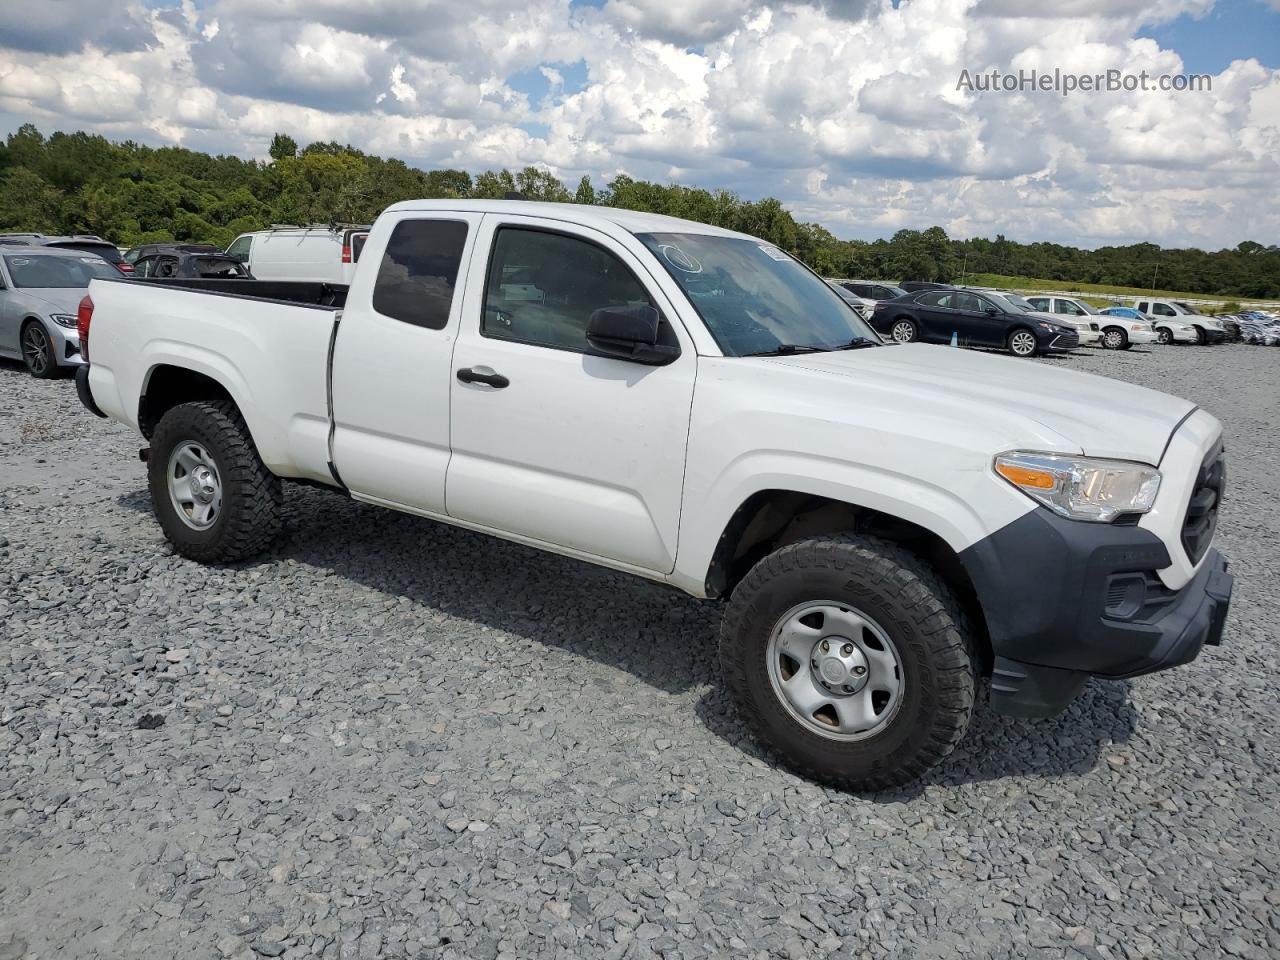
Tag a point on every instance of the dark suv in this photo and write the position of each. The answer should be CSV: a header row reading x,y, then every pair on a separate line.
x,y
86,242
872,289
973,319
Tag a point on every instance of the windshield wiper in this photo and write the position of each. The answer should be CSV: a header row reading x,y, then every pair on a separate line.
x,y
857,343
786,350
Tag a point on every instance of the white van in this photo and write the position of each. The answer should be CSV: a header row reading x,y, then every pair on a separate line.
x,y
301,253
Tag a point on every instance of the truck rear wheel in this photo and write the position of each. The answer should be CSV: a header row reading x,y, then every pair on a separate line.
x,y
214,498
849,659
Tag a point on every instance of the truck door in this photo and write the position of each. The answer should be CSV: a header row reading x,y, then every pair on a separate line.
x,y
553,442
391,363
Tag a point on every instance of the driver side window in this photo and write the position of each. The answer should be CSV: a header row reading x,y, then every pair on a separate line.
x,y
543,287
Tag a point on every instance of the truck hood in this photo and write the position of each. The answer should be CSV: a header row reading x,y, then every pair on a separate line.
x,y
1096,416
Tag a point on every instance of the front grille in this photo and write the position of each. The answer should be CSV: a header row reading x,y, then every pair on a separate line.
x,y
1202,509
1068,338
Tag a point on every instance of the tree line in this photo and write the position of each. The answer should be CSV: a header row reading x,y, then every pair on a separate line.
x,y
130,193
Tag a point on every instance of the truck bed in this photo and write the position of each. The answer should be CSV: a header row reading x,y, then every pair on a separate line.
x,y
265,341
304,293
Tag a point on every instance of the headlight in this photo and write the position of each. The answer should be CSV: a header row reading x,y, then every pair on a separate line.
x,y
64,319
1081,488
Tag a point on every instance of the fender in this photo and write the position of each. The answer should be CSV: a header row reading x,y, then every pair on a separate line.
x,y
958,515
272,446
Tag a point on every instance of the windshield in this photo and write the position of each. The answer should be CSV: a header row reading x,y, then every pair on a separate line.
x,y
58,271
1013,300
104,250
894,292
1186,308
753,297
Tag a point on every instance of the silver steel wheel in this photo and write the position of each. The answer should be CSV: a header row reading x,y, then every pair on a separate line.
x,y
195,488
1113,339
36,350
835,670
1023,343
1164,336
904,331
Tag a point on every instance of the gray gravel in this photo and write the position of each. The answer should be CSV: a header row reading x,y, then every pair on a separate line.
x,y
391,738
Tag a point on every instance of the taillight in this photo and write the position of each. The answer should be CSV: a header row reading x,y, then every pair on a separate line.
x,y
124,266
346,253
84,314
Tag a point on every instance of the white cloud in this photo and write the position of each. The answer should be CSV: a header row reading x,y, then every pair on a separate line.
x,y
848,110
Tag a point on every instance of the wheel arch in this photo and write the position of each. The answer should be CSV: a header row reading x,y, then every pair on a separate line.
x,y
770,519
167,384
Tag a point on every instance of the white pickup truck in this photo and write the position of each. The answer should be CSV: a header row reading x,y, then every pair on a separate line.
x,y
887,523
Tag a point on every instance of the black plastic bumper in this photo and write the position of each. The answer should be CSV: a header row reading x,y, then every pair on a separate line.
x,y
1066,600
84,393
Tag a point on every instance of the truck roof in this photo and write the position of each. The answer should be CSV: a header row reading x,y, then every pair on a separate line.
x,y
633,221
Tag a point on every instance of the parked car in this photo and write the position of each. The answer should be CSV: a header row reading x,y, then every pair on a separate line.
x,y
325,253
1168,329
185,264
874,290
693,406
40,290
134,254
1119,333
914,286
1208,329
861,305
1256,327
1087,329
973,320
85,242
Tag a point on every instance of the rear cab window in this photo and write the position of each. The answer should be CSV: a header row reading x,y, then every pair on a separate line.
x,y
418,276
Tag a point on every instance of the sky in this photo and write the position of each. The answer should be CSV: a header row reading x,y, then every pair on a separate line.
x,y
852,112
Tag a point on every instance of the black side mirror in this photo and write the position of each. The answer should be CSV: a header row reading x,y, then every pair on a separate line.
x,y
992,311
629,333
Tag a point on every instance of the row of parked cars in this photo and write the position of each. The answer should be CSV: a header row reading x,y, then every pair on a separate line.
x,y
43,277
1024,326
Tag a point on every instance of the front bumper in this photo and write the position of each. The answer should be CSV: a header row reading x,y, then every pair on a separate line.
x,y
1066,600
1214,336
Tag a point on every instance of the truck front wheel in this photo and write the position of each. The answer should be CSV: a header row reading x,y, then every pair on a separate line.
x,y
850,660
214,498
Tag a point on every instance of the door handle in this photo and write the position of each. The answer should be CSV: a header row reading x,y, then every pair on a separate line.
x,y
472,375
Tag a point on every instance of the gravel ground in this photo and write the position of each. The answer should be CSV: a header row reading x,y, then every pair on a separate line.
x,y
393,738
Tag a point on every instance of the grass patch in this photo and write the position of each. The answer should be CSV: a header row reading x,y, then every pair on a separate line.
x,y
1098,294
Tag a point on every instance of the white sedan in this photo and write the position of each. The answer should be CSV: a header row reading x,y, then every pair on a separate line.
x,y
1168,329
1118,332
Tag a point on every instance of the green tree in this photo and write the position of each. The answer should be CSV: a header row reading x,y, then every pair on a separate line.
x,y
29,202
585,192
283,147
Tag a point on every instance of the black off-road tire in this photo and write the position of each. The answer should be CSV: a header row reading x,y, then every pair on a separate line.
x,y
910,603
252,498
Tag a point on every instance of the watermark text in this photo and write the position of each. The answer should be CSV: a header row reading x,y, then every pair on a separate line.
x,y
1064,83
